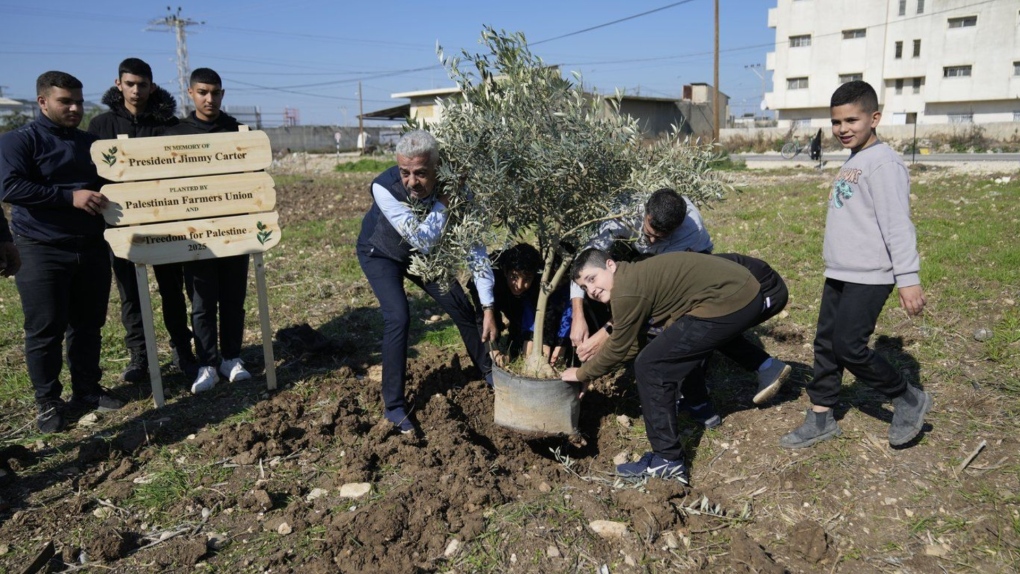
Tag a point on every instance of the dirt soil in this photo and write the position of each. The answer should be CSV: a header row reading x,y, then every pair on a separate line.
x,y
250,481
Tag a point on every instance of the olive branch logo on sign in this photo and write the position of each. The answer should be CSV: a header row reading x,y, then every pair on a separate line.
x,y
110,156
264,232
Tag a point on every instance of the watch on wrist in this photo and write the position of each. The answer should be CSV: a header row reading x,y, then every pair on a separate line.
x,y
487,307
609,328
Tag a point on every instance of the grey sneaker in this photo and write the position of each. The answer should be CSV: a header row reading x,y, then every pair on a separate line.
x,y
770,380
815,428
908,415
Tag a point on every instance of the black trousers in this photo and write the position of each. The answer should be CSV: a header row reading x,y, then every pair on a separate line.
x,y
65,290
846,320
170,281
749,356
218,289
386,276
680,350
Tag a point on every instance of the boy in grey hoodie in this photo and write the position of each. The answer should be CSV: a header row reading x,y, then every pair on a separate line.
x,y
870,246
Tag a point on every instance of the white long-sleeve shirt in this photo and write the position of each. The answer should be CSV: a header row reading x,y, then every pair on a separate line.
x,y
423,234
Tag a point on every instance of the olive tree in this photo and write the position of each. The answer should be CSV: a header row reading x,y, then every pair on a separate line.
x,y
530,155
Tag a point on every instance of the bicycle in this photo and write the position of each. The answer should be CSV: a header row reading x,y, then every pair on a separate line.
x,y
791,149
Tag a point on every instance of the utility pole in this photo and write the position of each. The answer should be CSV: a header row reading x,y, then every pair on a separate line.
x,y
178,24
715,94
362,138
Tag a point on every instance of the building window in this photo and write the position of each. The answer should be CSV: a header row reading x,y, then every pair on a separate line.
x,y
903,7
844,78
800,41
802,123
796,83
1016,116
856,33
963,22
920,6
1016,68
899,86
917,48
961,118
899,50
956,72
917,85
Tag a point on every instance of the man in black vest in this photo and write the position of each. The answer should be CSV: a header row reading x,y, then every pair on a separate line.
x,y
138,109
47,174
391,230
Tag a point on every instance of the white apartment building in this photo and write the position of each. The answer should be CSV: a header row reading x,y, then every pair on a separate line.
x,y
931,61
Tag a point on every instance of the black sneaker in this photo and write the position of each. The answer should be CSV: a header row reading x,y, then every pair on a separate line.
x,y
51,416
185,361
704,414
137,369
101,400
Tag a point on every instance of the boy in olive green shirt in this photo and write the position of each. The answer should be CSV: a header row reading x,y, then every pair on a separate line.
x,y
702,302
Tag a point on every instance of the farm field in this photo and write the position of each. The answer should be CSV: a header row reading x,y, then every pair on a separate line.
x,y
242,480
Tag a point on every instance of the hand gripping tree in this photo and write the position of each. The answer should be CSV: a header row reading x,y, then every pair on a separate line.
x,y
531,155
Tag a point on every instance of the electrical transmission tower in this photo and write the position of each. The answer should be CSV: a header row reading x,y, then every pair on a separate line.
x,y
176,23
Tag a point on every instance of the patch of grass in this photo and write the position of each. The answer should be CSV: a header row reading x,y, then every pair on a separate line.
x,y
365,165
172,479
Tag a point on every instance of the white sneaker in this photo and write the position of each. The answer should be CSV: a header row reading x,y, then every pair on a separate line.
x,y
233,369
206,380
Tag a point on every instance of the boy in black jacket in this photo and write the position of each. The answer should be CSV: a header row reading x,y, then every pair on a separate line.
x,y
139,108
47,175
221,282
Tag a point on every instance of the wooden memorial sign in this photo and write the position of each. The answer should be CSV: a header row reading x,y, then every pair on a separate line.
x,y
179,156
179,241
189,198
179,207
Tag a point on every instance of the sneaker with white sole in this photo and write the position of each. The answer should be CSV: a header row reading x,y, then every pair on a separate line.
x,y
399,418
206,380
653,465
704,414
770,380
233,370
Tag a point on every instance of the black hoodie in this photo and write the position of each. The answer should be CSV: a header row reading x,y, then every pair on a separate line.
x,y
159,114
191,125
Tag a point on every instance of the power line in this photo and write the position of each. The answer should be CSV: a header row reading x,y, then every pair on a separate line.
x,y
589,29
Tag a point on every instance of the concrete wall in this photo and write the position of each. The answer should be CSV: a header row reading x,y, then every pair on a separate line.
x,y
999,131
321,138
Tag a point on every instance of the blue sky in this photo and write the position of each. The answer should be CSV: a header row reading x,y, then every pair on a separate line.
x,y
310,54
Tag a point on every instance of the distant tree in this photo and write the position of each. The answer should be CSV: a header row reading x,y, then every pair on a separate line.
x,y
529,155
13,121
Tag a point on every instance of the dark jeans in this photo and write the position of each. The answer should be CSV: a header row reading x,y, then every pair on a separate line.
x,y
64,289
386,276
218,288
749,356
170,280
846,320
678,352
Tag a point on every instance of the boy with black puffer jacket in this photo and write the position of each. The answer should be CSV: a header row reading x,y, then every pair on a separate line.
x,y
218,285
139,108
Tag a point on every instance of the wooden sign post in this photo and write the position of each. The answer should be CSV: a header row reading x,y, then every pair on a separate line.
x,y
179,207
